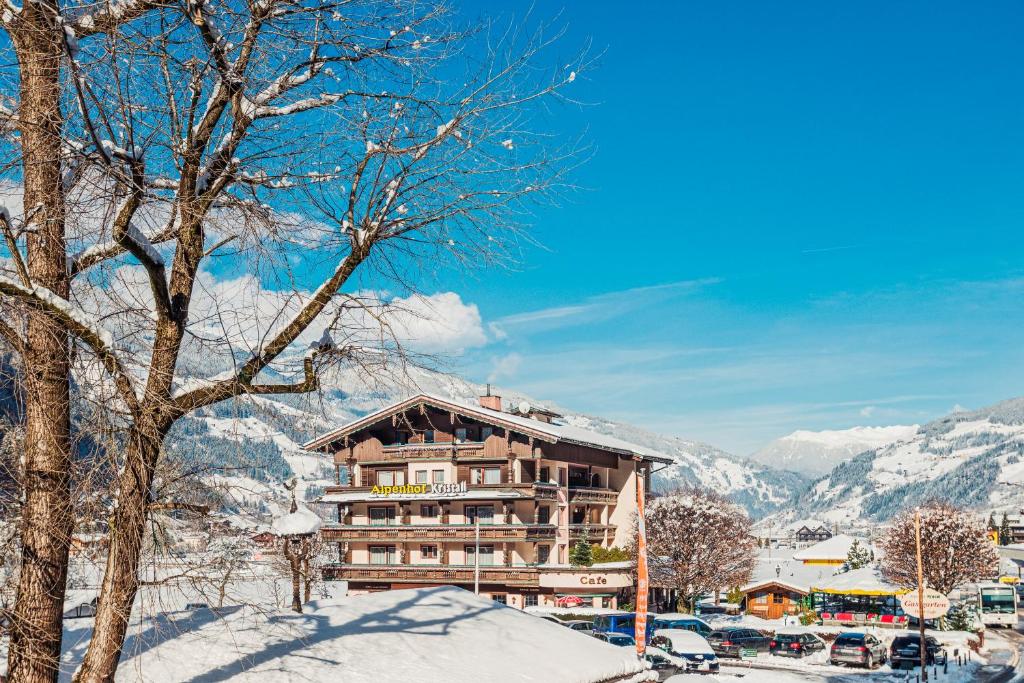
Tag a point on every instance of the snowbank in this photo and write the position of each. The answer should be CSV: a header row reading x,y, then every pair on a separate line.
x,y
427,634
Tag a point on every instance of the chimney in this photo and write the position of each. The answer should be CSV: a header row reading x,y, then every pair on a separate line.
x,y
492,402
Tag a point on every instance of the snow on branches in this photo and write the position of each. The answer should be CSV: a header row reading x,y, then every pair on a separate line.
x,y
698,542
955,548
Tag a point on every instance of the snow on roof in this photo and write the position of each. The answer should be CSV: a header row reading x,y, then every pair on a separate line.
x,y
863,581
685,642
791,573
835,548
549,431
424,634
302,522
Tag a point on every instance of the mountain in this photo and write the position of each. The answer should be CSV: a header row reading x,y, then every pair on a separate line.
x,y
973,459
816,453
256,441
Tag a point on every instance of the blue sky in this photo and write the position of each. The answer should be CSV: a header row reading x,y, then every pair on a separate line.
x,y
798,216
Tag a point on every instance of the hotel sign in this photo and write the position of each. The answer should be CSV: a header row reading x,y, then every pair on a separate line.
x,y
420,490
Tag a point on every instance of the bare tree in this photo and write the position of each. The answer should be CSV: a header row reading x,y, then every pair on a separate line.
x,y
156,136
698,542
955,548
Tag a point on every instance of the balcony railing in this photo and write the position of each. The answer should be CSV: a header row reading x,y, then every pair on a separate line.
x,y
588,494
427,532
528,490
521,576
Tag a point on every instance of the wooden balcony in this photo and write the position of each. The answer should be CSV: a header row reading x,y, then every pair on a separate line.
x,y
526,490
596,531
425,532
594,496
411,573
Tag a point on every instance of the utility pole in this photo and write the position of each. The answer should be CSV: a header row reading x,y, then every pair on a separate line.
x,y
476,556
920,596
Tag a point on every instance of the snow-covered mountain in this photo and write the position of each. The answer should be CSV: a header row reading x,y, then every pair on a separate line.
x,y
258,439
973,459
816,453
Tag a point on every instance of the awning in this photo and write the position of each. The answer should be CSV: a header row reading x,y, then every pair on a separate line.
x,y
864,581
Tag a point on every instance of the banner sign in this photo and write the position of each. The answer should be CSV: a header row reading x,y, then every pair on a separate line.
x,y
640,632
935,604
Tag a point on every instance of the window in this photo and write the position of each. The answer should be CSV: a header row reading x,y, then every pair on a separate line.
x,y
545,474
486,554
530,600
390,477
402,437
428,552
486,432
499,598
438,476
543,515
382,516
382,554
421,476
485,475
484,512
778,599
460,435
543,553
428,511
428,436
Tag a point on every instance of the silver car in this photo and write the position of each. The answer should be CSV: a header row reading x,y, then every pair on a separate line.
x,y
858,648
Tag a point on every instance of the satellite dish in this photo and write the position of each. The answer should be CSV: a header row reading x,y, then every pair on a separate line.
x,y
524,408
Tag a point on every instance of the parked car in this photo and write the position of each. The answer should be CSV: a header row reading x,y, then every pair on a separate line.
x,y
907,650
621,623
728,642
686,622
690,647
795,644
711,608
858,648
580,625
662,663
85,609
616,639
548,617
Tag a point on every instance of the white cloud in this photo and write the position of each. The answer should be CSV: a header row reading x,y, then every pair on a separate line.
x,y
505,366
868,411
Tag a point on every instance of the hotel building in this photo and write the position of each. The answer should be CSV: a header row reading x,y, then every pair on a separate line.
x,y
423,475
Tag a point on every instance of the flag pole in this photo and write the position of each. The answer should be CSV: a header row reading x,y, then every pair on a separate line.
x,y
920,596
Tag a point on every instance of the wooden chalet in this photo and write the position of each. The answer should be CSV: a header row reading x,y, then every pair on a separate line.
x,y
416,479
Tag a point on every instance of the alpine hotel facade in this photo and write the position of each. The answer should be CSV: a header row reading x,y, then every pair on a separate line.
x,y
423,474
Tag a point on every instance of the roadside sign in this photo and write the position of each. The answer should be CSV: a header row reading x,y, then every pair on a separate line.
x,y
748,653
935,604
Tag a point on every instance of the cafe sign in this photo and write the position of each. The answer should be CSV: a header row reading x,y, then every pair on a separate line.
x,y
585,580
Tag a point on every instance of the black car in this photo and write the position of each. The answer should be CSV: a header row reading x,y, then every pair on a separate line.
x,y
661,665
728,642
858,648
907,650
795,644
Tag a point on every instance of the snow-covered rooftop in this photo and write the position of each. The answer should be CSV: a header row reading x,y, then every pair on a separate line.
x,y
302,522
425,634
864,581
550,431
791,573
835,548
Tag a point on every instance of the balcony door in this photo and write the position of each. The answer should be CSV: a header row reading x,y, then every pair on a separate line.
x,y
484,512
382,516
486,555
383,554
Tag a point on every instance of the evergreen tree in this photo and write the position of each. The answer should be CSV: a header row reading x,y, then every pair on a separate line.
x,y
612,554
1005,534
581,554
992,521
857,556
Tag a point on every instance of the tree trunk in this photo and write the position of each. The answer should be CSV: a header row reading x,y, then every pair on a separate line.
x,y
307,576
47,522
294,559
120,579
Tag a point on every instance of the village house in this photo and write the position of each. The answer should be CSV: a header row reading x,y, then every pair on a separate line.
x,y
424,476
832,551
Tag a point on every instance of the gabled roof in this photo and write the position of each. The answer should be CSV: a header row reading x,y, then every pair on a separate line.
x,y
550,432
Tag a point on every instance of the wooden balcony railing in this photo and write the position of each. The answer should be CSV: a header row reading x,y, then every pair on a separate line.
x,y
520,576
528,490
596,531
594,496
466,532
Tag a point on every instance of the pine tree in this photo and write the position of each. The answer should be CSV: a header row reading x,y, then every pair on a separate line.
x,y
992,522
858,556
582,554
1005,534
612,554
